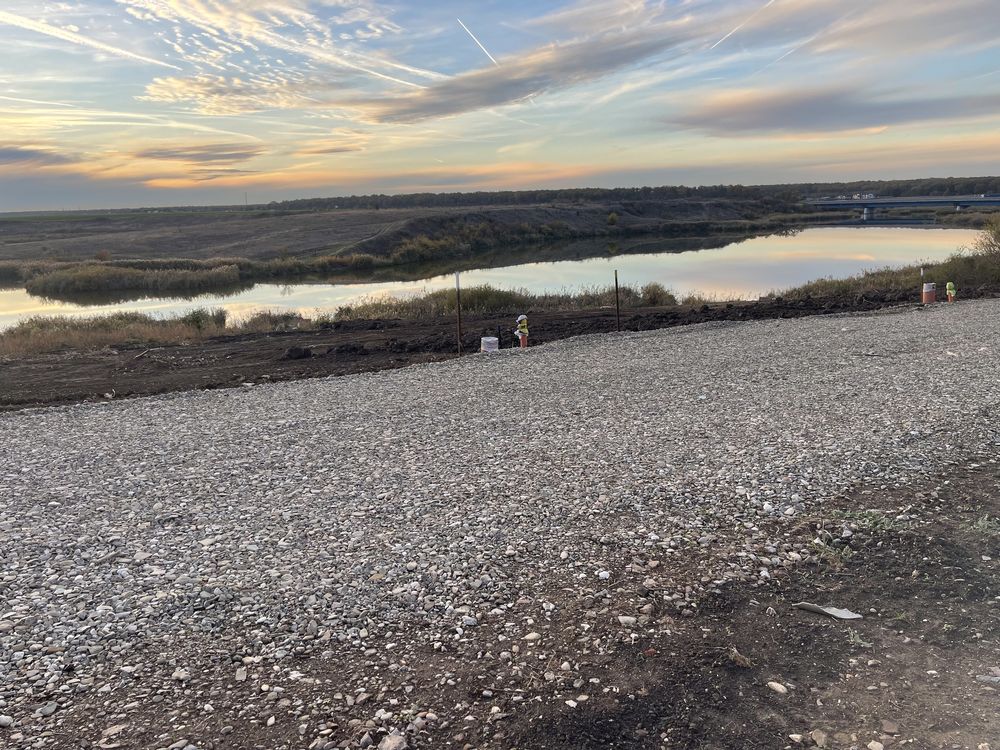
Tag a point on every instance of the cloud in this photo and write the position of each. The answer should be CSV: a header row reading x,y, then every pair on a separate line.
x,y
825,110
471,177
545,69
221,95
343,145
71,36
227,26
587,17
31,156
221,153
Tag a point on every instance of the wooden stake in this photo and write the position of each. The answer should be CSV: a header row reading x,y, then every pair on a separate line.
x,y
458,309
618,306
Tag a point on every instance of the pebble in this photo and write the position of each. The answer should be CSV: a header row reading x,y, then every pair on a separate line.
x,y
393,742
778,688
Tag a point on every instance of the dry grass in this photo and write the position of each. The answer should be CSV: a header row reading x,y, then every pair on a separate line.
x,y
488,300
47,334
40,334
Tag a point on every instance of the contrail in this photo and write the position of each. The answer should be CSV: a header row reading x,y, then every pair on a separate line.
x,y
756,13
279,42
486,51
793,50
70,36
35,101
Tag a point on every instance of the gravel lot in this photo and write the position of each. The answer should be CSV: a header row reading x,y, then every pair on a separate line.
x,y
412,558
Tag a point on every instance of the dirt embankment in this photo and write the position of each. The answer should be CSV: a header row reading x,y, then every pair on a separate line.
x,y
265,234
348,347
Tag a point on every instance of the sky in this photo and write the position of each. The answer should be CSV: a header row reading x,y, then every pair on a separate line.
x,y
107,103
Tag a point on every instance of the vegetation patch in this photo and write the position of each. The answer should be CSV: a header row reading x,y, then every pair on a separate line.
x,y
486,300
42,334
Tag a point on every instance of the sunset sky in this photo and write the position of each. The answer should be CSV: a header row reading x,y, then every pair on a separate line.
x,y
166,102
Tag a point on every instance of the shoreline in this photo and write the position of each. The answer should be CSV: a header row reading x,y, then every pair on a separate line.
x,y
355,346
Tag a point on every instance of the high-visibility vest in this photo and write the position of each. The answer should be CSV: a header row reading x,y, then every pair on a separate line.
x,y
522,328
950,287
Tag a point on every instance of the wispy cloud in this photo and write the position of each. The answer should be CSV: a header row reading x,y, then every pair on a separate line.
x,y
73,37
825,110
545,69
289,27
222,153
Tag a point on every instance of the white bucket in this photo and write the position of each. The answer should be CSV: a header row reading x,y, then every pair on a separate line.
x,y
489,344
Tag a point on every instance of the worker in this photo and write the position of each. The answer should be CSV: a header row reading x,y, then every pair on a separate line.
x,y
522,330
950,288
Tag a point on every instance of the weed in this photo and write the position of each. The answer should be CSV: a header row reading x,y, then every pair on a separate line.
x,y
986,525
872,521
855,639
835,557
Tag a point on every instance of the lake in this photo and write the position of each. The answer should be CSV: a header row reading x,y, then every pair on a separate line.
x,y
744,270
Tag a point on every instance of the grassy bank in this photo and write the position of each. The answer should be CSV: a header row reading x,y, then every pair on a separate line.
x,y
180,277
488,300
970,268
42,334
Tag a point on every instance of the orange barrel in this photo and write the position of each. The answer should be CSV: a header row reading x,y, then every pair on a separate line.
x,y
929,295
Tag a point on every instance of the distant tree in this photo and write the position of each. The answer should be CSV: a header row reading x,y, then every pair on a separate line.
x,y
103,255
612,219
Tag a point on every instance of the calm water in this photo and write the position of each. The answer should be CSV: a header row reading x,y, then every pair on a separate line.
x,y
740,270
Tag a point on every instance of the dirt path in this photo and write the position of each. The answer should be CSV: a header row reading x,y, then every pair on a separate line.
x,y
350,347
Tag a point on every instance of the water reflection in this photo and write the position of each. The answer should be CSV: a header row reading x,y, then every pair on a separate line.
x,y
724,267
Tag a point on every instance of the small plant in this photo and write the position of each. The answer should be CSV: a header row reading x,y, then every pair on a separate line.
x,y
872,521
655,294
855,639
986,525
612,219
835,557
103,256
202,318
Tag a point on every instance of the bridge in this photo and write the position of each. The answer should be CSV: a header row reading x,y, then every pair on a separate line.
x,y
868,206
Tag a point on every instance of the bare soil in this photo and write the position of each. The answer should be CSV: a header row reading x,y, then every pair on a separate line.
x,y
904,676
348,347
196,234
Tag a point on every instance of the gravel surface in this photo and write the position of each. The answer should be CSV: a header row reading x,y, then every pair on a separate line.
x,y
410,558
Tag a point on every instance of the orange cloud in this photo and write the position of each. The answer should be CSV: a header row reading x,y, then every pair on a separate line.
x,y
433,179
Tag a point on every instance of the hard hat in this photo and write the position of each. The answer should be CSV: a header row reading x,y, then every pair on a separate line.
x,y
521,317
